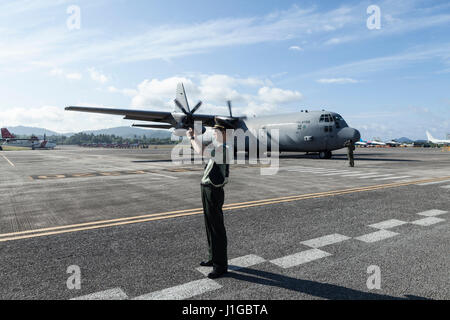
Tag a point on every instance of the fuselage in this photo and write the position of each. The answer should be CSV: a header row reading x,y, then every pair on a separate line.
x,y
307,131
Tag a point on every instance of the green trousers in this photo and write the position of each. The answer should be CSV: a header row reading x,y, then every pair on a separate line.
x,y
351,158
212,199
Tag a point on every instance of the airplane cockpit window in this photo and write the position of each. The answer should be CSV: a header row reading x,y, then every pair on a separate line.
x,y
340,122
322,118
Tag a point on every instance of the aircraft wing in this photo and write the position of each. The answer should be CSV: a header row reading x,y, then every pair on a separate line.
x,y
153,116
158,116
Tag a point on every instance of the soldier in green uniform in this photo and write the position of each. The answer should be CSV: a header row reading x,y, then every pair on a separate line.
x,y
214,178
350,148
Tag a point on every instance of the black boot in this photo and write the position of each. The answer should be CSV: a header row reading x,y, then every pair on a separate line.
x,y
217,272
206,263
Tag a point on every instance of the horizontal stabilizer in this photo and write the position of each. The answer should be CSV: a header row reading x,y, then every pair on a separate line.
x,y
154,126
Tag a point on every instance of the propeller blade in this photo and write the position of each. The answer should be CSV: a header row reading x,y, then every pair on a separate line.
x,y
179,105
229,107
196,107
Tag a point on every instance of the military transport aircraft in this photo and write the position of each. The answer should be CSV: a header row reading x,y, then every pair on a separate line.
x,y
304,131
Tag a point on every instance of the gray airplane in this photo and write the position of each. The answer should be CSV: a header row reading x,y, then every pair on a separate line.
x,y
304,131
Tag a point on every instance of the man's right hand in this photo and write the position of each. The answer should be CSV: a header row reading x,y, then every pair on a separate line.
x,y
190,133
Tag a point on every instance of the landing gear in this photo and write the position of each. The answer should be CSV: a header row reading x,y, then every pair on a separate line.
x,y
325,154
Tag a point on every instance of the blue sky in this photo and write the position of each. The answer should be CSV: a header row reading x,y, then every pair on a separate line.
x,y
267,56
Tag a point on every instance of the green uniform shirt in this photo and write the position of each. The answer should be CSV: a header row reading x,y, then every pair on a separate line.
x,y
222,151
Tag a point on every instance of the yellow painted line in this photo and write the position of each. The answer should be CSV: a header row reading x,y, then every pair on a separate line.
x,y
188,212
12,164
225,207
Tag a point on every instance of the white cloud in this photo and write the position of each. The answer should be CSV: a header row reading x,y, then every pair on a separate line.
x,y
57,119
32,47
295,48
74,76
97,76
278,96
58,72
249,95
338,80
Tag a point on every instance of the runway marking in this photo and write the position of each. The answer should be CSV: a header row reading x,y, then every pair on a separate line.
x,y
395,177
112,294
336,173
427,221
100,174
376,236
325,240
162,175
237,263
188,212
388,224
446,187
434,182
355,174
12,164
184,291
300,258
375,176
432,213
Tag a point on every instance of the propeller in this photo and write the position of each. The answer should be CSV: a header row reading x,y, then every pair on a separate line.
x,y
229,108
189,119
189,112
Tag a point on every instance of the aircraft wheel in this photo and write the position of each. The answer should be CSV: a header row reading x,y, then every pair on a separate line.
x,y
325,154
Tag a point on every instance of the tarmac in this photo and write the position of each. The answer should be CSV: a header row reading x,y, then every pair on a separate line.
x,y
131,222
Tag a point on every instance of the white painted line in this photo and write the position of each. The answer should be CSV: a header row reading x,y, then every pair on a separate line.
x,y
111,294
388,224
325,240
432,213
359,175
162,175
427,221
12,164
376,176
376,236
396,177
337,173
310,170
354,174
237,263
446,187
434,182
300,258
184,291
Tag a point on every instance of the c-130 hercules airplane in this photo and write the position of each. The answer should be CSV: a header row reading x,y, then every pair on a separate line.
x,y
305,131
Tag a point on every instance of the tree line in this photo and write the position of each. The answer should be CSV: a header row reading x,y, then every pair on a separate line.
x,y
85,138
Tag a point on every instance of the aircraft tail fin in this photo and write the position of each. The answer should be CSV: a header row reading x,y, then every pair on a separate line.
x,y
429,137
6,134
181,96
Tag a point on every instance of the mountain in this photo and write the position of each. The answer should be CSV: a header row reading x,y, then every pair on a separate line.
x,y
404,140
28,131
124,132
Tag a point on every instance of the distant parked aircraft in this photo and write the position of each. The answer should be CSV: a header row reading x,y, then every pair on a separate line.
x,y
436,141
8,139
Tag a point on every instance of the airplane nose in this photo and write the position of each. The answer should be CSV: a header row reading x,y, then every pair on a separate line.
x,y
349,134
356,136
